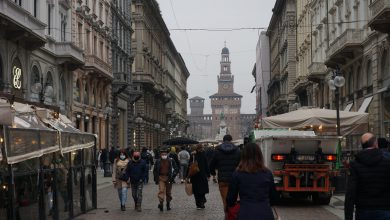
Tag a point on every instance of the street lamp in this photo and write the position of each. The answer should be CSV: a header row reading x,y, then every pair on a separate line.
x,y
138,121
157,128
335,83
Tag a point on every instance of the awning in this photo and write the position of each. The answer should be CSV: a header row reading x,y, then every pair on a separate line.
x,y
365,104
28,137
348,107
350,122
71,138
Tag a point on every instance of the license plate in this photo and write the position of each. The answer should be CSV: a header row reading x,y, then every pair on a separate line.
x,y
305,157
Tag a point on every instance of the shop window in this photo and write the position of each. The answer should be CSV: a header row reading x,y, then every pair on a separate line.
x,y
77,90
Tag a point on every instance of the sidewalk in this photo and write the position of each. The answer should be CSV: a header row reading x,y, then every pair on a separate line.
x,y
336,205
101,181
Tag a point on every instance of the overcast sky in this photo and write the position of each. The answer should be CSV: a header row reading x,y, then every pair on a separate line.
x,y
201,49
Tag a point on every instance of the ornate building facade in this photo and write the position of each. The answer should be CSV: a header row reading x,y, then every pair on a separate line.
x,y
160,75
282,37
91,32
226,109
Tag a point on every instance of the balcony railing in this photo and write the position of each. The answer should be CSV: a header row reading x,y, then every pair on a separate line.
x,y
94,62
344,46
379,15
69,52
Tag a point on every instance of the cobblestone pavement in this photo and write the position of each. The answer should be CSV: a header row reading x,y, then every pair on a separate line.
x,y
183,206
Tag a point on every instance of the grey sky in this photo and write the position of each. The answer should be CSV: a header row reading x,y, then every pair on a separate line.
x,y
201,49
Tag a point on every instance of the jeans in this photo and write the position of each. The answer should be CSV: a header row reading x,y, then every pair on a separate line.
x,y
136,191
183,170
372,214
146,180
122,193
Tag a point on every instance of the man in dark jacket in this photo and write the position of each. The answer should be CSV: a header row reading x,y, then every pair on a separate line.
x,y
368,183
164,172
226,159
148,158
136,171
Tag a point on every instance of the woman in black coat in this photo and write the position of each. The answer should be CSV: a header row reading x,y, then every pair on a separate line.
x,y
200,185
255,185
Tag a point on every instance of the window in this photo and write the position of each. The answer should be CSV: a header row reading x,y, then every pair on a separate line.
x,y
77,91
369,73
93,97
35,8
86,95
63,27
95,45
62,93
80,29
94,6
350,84
101,11
359,83
88,43
101,50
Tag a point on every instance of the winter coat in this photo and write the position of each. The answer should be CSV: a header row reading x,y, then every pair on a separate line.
x,y
184,157
147,157
173,170
226,159
256,191
119,167
136,171
199,181
175,158
112,155
368,183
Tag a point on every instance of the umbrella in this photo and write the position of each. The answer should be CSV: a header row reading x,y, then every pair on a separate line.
x,y
180,140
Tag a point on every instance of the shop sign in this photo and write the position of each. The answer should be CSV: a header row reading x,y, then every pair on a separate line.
x,y
17,77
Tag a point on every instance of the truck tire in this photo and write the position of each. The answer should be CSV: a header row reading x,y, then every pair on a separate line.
x,y
321,198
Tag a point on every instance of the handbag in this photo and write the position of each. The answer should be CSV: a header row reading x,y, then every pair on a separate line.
x,y
194,168
188,187
232,212
6,112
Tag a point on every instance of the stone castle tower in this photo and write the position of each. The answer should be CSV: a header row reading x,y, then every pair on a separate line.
x,y
226,102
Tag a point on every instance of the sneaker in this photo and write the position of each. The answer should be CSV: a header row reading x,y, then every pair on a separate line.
x,y
139,209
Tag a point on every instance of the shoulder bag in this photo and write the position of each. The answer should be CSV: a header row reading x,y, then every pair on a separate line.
x,y
194,167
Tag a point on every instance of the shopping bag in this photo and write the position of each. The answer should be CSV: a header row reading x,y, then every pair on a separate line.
x,y
232,213
188,187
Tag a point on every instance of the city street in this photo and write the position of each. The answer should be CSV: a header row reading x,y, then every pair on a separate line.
x,y
183,207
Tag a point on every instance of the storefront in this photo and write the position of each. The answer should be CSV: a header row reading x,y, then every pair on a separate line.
x,y
47,168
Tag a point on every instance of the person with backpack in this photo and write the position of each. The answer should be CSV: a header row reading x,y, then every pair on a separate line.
x,y
119,177
136,172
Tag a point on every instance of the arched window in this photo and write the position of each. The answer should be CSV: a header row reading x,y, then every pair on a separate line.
x,y
77,91
369,73
385,65
86,94
62,93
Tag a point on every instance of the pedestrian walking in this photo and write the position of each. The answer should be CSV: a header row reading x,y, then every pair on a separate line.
x,y
368,188
112,154
164,172
200,185
254,184
99,160
225,161
184,159
136,172
173,155
119,177
104,158
148,158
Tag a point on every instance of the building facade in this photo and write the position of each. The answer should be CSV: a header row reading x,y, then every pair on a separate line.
x,y
160,75
123,95
91,32
282,37
262,75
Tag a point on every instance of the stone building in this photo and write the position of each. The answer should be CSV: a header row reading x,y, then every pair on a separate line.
x,y
261,74
160,75
226,109
123,96
282,37
91,31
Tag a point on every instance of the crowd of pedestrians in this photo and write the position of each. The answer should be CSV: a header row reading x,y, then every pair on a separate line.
x,y
246,185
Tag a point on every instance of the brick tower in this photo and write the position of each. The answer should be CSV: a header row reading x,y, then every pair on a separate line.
x,y
226,102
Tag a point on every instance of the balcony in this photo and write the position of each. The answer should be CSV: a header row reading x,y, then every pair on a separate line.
x,y
347,46
20,26
95,64
69,53
317,72
119,82
379,16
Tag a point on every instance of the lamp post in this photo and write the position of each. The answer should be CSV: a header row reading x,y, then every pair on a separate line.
x,y
157,128
335,83
138,121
